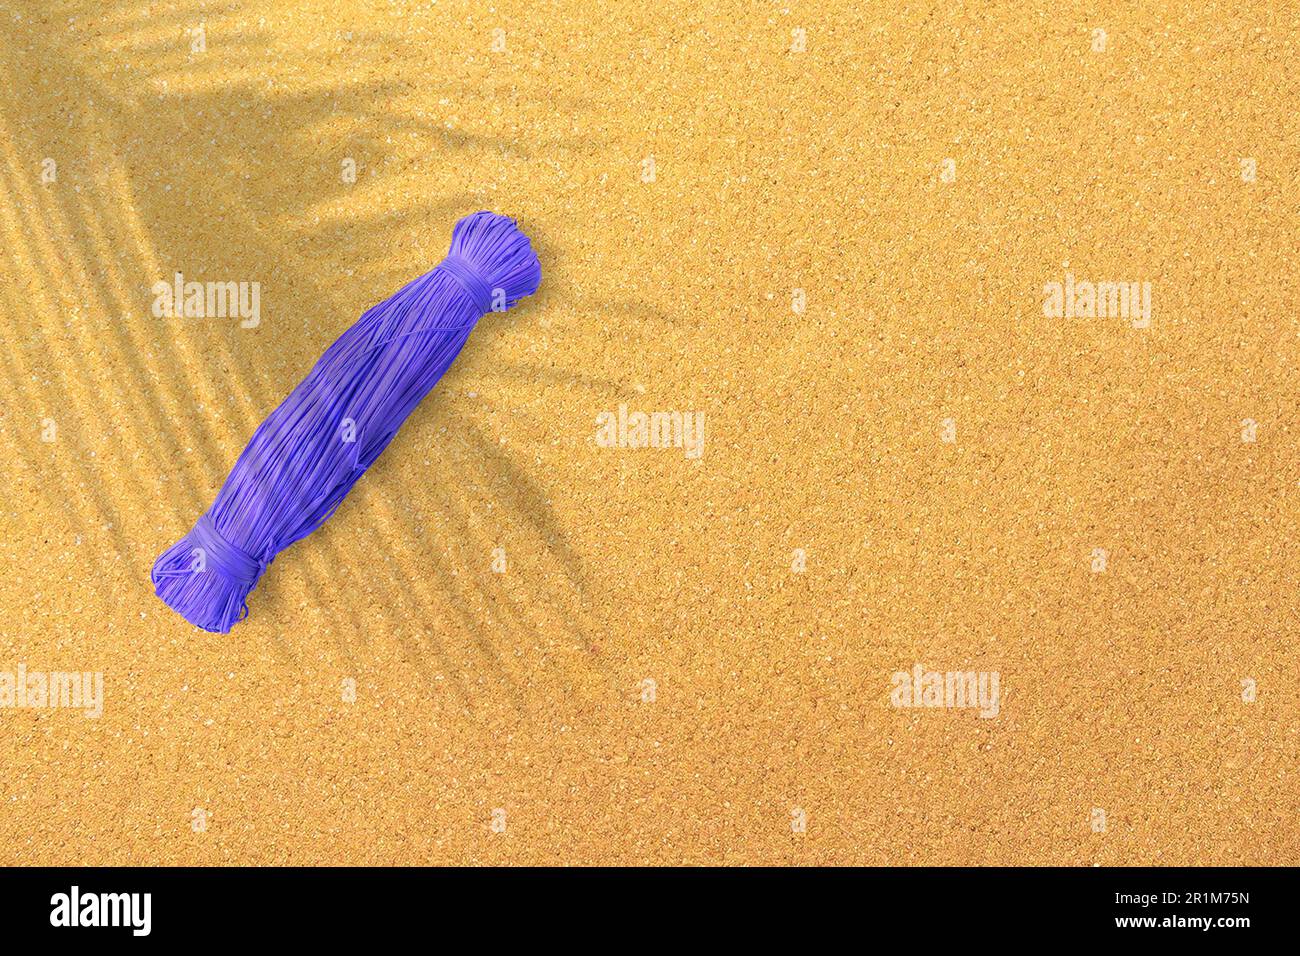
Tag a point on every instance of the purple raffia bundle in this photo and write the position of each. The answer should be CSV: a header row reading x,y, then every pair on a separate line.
x,y
306,456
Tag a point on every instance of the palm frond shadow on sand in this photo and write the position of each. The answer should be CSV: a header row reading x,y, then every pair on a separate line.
x,y
181,397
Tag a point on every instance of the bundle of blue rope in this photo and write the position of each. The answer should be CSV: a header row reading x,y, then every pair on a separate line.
x,y
308,453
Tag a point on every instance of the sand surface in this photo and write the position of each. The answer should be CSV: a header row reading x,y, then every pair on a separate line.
x,y
828,228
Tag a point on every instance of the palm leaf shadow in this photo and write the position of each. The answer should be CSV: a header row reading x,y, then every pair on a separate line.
x,y
161,372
